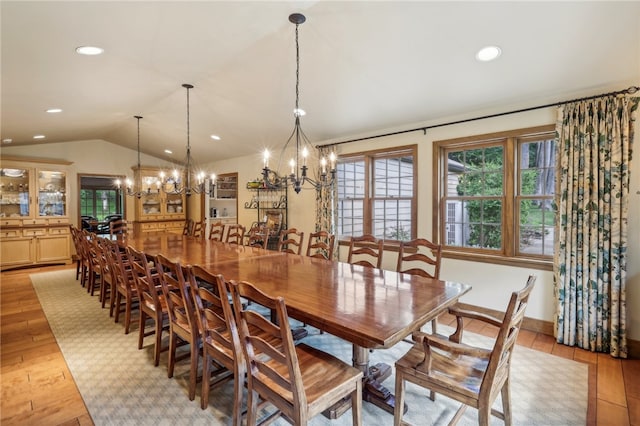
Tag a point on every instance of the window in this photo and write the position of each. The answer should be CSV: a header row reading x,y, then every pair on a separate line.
x,y
495,195
99,203
376,194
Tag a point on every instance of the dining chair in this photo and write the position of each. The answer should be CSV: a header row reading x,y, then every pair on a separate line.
x,y
77,257
291,241
220,339
235,234
473,376
216,231
365,250
198,229
258,235
321,245
187,229
125,290
152,302
108,280
117,227
183,324
300,381
95,264
85,257
420,257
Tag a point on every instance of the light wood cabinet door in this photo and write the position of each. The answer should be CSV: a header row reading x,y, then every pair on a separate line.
x,y
17,251
52,248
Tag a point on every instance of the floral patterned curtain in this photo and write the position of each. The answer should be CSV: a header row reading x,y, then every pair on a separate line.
x,y
327,203
592,195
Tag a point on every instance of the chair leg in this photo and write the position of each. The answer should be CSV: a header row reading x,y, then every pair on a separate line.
x,y
158,344
356,404
398,410
206,376
117,306
172,354
252,407
193,374
238,387
141,322
127,315
506,402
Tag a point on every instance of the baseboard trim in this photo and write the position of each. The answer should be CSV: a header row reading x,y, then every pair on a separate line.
x,y
546,327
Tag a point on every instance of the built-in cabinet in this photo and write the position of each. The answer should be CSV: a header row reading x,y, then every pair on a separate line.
x,y
34,216
221,205
159,207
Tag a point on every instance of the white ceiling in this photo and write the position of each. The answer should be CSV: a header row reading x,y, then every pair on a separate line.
x,y
365,66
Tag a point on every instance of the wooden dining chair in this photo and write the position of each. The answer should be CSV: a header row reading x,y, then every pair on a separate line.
x,y
187,229
470,375
220,338
118,227
108,279
235,234
95,264
153,305
321,245
365,250
216,231
258,236
300,381
420,257
198,229
125,290
291,241
85,256
183,324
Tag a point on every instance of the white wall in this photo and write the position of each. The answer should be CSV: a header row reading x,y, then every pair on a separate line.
x,y
491,283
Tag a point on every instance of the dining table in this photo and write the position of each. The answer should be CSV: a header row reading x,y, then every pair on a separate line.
x,y
370,308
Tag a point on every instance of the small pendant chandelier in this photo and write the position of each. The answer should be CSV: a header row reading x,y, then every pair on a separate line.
x,y
138,188
195,182
298,150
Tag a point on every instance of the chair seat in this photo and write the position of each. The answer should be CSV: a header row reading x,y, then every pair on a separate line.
x,y
464,375
322,375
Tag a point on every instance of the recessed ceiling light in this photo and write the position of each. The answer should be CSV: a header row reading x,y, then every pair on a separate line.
x,y
39,137
488,53
89,50
215,137
8,140
54,110
168,151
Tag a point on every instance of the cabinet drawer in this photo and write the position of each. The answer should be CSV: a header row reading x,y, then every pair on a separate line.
x,y
34,222
11,233
10,222
59,221
34,232
58,231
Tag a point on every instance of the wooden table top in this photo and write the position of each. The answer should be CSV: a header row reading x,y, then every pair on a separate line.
x,y
369,307
191,250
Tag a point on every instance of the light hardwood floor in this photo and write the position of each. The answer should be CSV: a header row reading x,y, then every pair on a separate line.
x,y
37,388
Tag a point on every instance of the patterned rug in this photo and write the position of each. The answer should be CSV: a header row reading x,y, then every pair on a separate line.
x,y
120,385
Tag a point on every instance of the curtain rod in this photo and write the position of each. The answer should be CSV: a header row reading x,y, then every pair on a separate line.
x,y
629,91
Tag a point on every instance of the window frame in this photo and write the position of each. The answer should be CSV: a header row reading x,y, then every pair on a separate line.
x,y
369,198
510,253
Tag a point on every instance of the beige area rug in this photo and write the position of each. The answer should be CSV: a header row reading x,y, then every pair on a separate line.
x,y
120,386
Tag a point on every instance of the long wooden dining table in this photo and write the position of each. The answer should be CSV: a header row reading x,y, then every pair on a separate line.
x,y
368,307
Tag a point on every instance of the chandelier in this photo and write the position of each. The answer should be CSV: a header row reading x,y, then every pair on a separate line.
x,y
298,151
195,181
139,188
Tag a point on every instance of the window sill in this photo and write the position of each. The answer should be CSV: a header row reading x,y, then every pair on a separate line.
x,y
519,262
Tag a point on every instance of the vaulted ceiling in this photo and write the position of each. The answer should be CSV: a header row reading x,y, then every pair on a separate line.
x,y
364,66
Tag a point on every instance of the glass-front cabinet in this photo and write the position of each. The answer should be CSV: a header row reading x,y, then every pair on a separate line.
x,y
160,207
34,214
52,193
14,192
